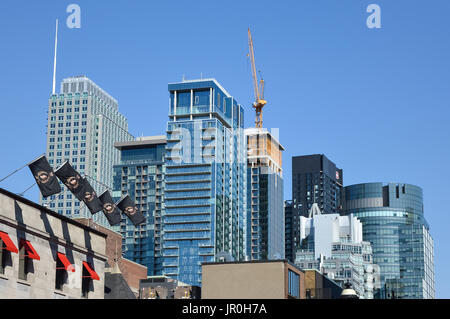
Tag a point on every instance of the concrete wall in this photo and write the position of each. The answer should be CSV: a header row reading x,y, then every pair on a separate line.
x,y
255,280
49,234
131,271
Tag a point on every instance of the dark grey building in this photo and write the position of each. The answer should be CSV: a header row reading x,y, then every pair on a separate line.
x,y
316,179
291,230
116,287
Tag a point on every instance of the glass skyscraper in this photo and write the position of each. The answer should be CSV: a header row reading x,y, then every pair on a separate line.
x,y
205,190
140,174
394,223
265,206
83,124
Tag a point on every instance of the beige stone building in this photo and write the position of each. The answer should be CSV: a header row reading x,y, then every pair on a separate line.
x,y
277,279
46,255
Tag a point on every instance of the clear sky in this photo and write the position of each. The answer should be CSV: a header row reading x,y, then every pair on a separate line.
x,y
375,101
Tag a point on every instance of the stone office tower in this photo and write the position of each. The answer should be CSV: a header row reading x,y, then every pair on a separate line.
x,y
83,124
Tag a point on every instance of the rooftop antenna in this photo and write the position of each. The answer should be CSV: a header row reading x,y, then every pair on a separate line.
x,y
54,61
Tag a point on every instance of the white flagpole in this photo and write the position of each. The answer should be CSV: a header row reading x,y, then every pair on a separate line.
x,y
54,61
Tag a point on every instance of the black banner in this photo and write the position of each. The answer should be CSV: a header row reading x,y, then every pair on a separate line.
x,y
110,209
71,178
127,206
90,198
45,177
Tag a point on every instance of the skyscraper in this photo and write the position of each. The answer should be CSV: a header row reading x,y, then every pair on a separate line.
x,y
140,174
265,207
316,179
83,124
205,189
394,223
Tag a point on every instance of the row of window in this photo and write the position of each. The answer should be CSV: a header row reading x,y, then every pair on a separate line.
x,y
68,110
68,132
59,146
61,103
68,117
68,124
27,254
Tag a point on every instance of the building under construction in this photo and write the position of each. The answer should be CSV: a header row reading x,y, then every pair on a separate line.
x,y
265,206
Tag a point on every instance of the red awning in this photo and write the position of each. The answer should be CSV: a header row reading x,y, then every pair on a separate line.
x,y
8,243
67,265
92,273
31,252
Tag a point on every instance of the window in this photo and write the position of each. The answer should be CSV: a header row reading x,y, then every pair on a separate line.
x,y
293,284
6,248
23,263
62,266
88,275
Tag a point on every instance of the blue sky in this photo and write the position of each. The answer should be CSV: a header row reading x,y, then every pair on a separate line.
x,y
375,101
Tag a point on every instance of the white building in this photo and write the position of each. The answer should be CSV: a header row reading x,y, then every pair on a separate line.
x,y
333,245
83,124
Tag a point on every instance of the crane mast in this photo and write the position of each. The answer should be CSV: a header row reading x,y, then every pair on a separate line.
x,y
258,89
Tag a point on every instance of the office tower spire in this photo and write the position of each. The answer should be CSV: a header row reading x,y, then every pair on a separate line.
x,y
54,60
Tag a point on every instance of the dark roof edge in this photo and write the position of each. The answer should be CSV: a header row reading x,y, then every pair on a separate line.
x,y
254,262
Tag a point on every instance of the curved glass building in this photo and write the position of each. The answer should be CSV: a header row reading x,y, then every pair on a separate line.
x,y
394,223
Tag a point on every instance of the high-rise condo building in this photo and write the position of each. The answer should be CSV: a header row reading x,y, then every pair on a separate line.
x,y
394,223
205,189
83,124
316,179
265,205
140,174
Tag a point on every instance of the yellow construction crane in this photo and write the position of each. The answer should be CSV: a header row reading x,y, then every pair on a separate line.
x,y
259,89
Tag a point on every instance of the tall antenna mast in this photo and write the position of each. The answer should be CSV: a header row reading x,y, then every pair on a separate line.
x,y
54,61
